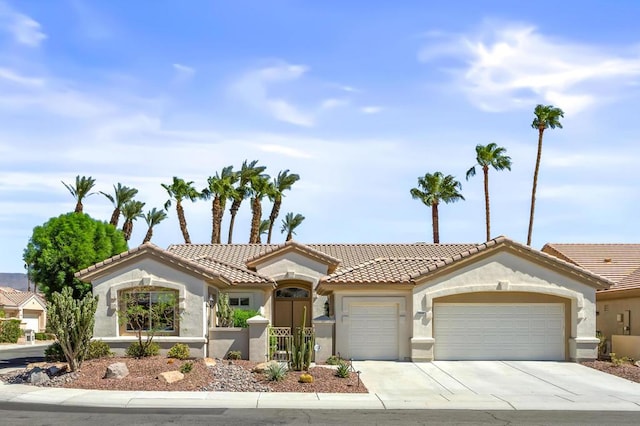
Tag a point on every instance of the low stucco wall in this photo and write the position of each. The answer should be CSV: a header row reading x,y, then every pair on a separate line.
x,y
628,346
119,345
223,339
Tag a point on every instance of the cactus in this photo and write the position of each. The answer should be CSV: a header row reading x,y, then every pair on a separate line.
x,y
224,311
301,349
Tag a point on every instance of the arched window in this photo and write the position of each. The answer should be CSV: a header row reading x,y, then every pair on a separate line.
x,y
292,293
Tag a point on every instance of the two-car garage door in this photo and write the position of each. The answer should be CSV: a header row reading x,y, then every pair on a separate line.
x,y
470,331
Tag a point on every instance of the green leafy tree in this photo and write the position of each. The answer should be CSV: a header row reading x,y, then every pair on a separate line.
x,y
180,190
242,190
546,117
71,321
122,195
131,211
81,190
66,244
490,155
433,189
220,189
261,187
283,182
290,223
153,218
147,319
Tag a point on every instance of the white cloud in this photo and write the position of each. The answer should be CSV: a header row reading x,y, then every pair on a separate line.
x,y
333,103
183,72
22,28
15,77
255,87
516,66
284,150
372,109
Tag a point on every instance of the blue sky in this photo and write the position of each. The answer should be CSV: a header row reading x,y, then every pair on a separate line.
x,y
357,98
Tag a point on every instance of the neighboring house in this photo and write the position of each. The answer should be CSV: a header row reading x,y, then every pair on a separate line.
x,y
29,307
618,307
496,300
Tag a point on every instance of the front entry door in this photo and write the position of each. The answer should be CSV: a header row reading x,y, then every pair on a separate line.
x,y
289,304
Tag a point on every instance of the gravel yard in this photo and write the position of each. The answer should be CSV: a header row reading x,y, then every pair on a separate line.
x,y
626,371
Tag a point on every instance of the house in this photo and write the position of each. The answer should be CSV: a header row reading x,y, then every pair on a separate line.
x,y
618,307
29,307
495,300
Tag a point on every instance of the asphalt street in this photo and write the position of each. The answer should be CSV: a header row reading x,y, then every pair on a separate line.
x,y
20,357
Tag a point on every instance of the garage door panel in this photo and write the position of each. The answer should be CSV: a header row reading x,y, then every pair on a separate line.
x,y
373,331
499,331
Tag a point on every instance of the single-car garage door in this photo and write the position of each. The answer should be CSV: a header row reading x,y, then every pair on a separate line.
x,y
32,321
470,331
373,331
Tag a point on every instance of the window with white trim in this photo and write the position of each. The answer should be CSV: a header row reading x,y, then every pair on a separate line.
x,y
149,310
241,300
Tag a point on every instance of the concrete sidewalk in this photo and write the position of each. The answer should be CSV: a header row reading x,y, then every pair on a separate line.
x,y
393,385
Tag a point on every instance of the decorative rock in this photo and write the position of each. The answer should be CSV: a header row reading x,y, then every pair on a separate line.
x,y
637,364
54,370
117,370
210,362
171,376
38,377
263,366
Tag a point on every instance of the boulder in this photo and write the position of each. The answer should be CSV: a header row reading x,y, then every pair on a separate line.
x,y
637,363
210,362
262,367
117,370
171,376
38,377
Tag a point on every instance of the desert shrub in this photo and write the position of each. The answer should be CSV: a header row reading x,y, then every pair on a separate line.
x,y
136,350
306,378
53,353
276,372
234,355
186,367
333,360
98,349
179,351
343,370
10,331
619,361
2,313
240,317
45,336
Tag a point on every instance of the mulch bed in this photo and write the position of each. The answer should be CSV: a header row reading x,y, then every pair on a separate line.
x,y
626,371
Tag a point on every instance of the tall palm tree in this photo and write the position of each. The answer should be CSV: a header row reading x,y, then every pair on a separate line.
x,y
221,189
261,187
283,182
434,188
131,211
179,190
81,190
487,156
242,191
546,116
264,228
290,223
123,194
153,218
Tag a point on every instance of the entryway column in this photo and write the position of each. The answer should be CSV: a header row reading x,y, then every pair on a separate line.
x,y
324,328
258,338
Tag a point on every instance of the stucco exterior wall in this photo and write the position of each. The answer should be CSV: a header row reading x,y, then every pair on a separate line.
x,y
506,272
609,312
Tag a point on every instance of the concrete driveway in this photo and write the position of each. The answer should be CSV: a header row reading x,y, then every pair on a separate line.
x,y
520,385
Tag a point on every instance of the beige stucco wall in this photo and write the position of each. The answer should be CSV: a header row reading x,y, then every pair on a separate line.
x,y
608,311
506,272
626,346
342,300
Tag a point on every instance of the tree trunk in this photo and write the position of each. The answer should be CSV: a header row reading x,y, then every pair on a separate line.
x,y
183,222
79,207
485,170
434,220
127,228
235,206
148,235
535,185
115,217
256,209
289,234
217,211
275,211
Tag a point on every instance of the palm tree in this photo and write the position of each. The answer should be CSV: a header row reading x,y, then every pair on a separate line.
x,y
123,194
261,187
81,190
242,191
486,156
153,217
546,116
221,189
131,211
434,188
290,223
264,228
179,190
283,182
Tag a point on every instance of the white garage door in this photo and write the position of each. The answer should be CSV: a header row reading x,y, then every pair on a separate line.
x,y
499,331
31,321
373,331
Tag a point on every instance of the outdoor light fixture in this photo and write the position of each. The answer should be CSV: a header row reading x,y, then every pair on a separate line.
x,y
212,301
326,308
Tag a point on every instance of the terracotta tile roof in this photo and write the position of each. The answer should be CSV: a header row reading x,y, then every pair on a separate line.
x,y
380,270
15,298
291,245
619,263
233,273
